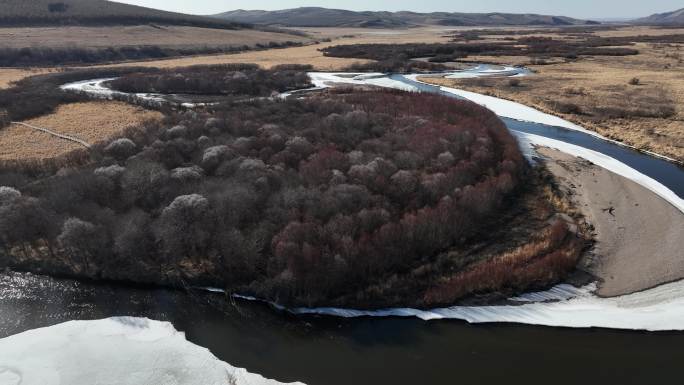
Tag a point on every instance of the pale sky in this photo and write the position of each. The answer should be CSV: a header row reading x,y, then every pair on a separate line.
x,y
574,8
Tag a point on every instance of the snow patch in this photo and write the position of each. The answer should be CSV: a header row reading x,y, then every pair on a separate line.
x,y
114,351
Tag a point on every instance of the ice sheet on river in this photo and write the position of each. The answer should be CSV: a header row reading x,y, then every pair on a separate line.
x,y
114,351
657,309
325,79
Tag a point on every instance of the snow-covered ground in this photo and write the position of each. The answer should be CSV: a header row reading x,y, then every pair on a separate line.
x,y
114,351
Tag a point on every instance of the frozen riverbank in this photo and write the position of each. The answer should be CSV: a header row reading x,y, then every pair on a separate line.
x,y
658,309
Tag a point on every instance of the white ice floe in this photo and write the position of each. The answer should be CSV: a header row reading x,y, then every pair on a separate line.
x,y
604,161
114,351
658,309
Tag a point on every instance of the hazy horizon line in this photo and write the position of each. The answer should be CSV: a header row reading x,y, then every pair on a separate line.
x,y
212,7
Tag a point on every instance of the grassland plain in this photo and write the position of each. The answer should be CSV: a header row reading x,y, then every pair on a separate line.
x,y
90,121
311,54
638,100
9,75
588,83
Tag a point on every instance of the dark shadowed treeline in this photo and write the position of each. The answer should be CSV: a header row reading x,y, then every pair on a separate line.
x,y
47,56
397,57
227,79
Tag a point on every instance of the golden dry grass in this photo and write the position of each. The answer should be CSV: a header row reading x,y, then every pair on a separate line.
x,y
91,121
310,54
602,82
9,75
266,59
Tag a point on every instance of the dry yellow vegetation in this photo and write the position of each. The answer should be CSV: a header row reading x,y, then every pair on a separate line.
x,y
9,75
90,121
595,92
588,82
310,54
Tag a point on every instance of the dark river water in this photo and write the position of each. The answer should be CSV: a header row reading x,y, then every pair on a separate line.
x,y
327,350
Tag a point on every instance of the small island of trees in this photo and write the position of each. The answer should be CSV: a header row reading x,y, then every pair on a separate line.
x,y
346,198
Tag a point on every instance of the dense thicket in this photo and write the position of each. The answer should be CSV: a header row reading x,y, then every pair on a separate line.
x,y
47,56
400,54
227,79
301,201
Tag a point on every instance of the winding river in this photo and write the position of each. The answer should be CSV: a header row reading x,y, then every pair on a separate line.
x,y
322,349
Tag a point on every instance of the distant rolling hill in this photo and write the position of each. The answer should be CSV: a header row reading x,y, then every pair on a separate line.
x,y
667,18
325,17
14,13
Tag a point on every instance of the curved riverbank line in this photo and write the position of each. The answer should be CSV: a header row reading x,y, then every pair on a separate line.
x,y
606,162
638,236
657,309
622,266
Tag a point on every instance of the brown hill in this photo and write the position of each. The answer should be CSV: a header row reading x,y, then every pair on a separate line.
x,y
96,12
325,17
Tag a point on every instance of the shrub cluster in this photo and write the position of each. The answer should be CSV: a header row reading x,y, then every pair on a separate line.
x,y
229,79
300,201
401,54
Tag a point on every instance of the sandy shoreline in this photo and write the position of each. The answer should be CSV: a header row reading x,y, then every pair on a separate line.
x,y
639,242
